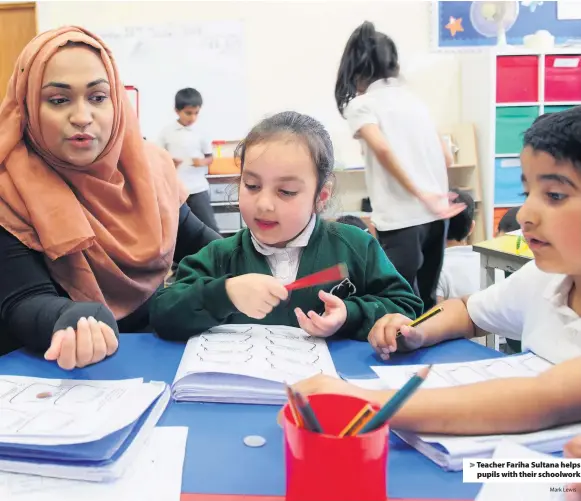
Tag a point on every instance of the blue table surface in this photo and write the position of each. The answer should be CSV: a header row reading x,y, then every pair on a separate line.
x,y
217,461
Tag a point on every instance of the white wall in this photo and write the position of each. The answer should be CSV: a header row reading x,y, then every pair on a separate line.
x,y
293,49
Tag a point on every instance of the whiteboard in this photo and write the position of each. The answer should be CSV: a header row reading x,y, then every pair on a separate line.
x,y
161,59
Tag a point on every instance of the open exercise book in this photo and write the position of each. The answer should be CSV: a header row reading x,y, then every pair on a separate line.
x,y
76,429
448,451
248,364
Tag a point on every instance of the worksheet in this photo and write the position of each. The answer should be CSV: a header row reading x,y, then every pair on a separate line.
x,y
69,411
455,374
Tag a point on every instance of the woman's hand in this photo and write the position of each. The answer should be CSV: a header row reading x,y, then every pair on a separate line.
x,y
90,343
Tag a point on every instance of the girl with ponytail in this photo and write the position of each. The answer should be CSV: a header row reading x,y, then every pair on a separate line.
x,y
405,159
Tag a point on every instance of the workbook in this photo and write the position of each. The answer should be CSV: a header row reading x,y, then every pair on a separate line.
x,y
248,364
76,429
448,451
154,475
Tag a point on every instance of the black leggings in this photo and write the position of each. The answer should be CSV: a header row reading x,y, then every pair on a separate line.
x,y
199,203
417,253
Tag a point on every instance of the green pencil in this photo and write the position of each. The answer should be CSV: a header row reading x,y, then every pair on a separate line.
x,y
394,403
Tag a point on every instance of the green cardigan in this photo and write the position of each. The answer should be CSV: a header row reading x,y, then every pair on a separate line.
x,y
197,300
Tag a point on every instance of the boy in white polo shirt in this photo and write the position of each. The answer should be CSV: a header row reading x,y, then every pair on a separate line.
x,y
461,270
405,160
539,304
191,153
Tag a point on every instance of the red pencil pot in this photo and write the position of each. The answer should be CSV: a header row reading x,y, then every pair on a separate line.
x,y
324,467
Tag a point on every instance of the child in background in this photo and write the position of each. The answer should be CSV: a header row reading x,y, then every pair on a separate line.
x,y
353,221
461,270
540,303
287,164
191,154
405,160
508,222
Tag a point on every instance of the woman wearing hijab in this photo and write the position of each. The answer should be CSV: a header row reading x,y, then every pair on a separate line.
x,y
91,216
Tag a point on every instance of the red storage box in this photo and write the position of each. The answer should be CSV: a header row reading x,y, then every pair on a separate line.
x,y
517,79
563,78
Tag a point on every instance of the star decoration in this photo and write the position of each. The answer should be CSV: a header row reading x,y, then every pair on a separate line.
x,y
454,25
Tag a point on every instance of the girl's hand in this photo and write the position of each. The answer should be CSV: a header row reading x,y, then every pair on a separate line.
x,y
439,204
90,343
330,322
254,294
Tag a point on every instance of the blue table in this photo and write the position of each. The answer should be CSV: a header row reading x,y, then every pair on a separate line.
x,y
217,461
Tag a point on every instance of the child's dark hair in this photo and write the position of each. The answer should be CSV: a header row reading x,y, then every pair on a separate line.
x,y
508,222
353,221
558,134
461,224
368,56
188,97
294,125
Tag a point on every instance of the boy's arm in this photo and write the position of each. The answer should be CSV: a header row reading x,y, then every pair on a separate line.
x,y
499,309
508,405
386,291
196,301
208,155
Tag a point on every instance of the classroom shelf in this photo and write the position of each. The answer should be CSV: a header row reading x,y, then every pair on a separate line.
x,y
508,190
517,79
224,204
511,122
562,78
523,84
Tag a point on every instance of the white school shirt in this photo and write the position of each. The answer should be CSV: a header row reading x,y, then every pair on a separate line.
x,y
284,261
187,143
531,306
460,275
407,126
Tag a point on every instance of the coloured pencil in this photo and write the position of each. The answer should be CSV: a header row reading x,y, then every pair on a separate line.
x,y
332,274
293,407
307,413
360,419
423,318
394,403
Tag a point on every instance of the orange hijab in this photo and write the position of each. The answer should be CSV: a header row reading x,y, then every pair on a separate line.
x,y
108,230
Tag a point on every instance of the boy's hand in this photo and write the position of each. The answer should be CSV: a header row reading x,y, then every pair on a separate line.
x,y
201,162
89,344
383,335
254,294
330,322
176,161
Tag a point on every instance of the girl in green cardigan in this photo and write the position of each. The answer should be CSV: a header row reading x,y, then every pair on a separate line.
x,y
286,180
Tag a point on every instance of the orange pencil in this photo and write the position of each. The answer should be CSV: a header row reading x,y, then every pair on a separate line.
x,y
293,407
358,421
